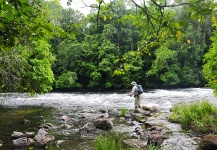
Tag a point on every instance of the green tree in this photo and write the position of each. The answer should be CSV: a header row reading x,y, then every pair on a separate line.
x,y
164,67
25,32
210,63
27,68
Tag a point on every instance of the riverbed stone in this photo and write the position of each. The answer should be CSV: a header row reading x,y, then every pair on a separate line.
x,y
30,141
64,118
102,111
142,111
58,142
208,142
113,113
136,116
156,138
103,123
135,143
1,143
89,127
43,138
25,121
153,109
16,135
46,126
29,134
105,115
20,142
66,126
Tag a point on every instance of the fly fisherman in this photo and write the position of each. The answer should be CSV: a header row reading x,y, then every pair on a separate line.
x,y
136,95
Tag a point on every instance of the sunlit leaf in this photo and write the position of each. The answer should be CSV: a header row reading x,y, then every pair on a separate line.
x,y
126,66
104,18
133,53
188,41
213,19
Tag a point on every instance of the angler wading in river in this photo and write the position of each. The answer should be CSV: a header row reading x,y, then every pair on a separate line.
x,y
137,96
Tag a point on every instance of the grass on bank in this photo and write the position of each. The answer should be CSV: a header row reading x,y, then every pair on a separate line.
x,y
109,142
123,112
199,117
114,141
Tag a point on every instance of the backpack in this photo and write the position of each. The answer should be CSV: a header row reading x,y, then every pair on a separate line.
x,y
139,89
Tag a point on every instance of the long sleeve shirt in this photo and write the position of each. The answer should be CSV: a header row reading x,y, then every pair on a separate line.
x,y
134,91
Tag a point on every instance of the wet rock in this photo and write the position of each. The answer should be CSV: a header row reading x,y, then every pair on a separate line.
x,y
43,138
135,136
138,129
105,115
103,123
1,143
135,143
149,125
46,126
156,138
89,127
16,135
64,118
208,142
122,118
25,121
153,109
136,116
127,116
59,142
113,113
66,126
135,123
142,111
29,134
102,111
30,141
157,128
20,142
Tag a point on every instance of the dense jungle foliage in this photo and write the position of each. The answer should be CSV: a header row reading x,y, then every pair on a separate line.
x,y
159,43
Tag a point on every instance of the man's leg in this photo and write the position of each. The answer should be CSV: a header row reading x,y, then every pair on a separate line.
x,y
137,101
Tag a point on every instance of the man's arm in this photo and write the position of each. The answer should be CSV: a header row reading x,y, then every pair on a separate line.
x,y
133,92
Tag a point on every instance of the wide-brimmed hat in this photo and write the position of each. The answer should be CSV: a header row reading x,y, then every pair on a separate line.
x,y
133,83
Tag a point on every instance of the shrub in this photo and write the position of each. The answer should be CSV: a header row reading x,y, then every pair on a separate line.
x,y
198,116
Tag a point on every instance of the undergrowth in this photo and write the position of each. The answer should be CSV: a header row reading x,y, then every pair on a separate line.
x,y
199,117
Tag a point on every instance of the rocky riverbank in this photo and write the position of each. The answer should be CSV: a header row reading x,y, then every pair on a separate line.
x,y
143,126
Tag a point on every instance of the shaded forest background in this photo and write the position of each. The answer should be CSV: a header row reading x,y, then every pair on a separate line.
x,y
45,47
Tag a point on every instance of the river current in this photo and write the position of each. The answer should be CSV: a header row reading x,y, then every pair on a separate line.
x,y
48,107
159,97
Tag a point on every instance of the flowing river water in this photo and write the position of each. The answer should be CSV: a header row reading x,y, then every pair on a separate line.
x,y
48,107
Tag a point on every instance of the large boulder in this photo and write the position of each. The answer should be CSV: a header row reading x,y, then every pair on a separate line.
x,y
89,127
103,123
43,138
20,143
208,142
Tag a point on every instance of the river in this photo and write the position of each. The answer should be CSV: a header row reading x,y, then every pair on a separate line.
x,y
47,107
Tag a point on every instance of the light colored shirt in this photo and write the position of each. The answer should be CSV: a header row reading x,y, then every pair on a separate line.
x,y
134,91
